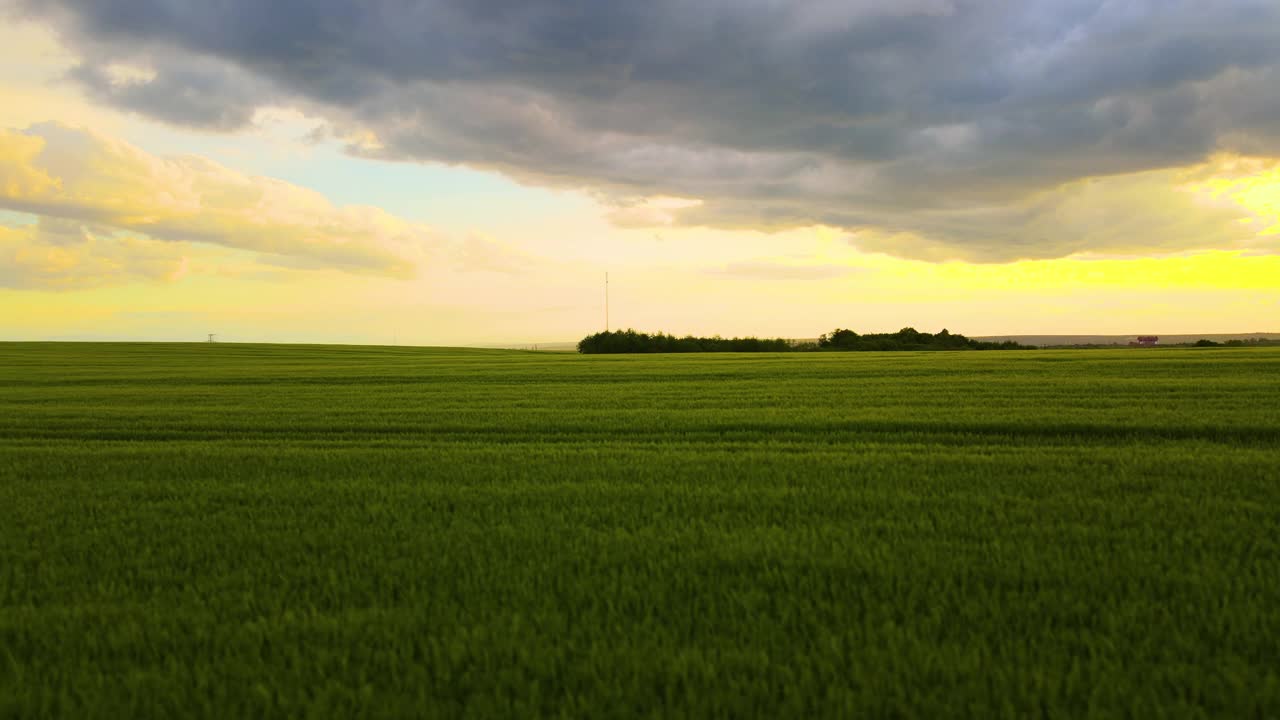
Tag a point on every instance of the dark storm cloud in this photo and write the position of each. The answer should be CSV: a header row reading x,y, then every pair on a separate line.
x,y
189,91
898,118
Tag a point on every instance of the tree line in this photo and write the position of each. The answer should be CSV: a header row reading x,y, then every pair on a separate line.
x,y
630,341
1247,342
840,339
910,339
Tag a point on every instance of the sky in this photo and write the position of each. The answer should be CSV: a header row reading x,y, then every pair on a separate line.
x,y
456,172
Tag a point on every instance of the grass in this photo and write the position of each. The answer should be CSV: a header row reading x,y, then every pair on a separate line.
x,y
241,531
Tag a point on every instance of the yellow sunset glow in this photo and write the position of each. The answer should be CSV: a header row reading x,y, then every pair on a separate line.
x,y
114,224
1254,185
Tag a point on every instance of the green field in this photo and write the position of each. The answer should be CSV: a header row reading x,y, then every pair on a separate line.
x,y
232,531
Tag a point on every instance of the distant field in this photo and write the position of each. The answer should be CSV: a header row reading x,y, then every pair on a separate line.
x,y
1052,340
246,530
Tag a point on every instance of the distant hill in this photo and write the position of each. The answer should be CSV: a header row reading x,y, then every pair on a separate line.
x,y
1053,340
563,346
1038,340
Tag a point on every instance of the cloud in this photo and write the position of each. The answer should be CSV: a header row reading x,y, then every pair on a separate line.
x,y
771,270
66,255
1216,204
59,172
929,124
195,92
648,212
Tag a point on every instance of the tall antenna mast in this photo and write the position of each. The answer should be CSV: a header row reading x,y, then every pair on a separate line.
x,y
606,302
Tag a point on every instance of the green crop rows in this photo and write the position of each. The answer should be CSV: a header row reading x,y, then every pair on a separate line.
x,y
232,531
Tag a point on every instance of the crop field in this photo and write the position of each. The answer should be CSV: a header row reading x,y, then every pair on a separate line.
x,y
249,530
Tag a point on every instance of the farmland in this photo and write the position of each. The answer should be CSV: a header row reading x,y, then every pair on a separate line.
x,y
247,530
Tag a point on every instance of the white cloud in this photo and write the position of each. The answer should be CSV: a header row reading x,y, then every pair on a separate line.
x,y
57,171
68,255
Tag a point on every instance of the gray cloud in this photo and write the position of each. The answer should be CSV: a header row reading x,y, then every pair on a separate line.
x,y
189,91
945,124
